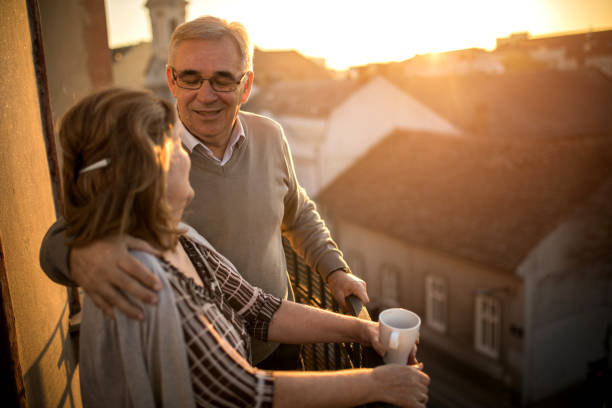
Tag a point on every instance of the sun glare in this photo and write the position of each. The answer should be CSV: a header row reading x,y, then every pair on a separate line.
x,y
357,32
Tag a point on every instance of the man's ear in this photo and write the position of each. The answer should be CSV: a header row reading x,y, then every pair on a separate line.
x,y
248,86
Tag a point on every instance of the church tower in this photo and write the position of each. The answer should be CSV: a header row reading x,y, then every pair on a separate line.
x,y
165,16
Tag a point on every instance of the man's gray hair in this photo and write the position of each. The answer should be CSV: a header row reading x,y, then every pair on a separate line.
x,y
213,28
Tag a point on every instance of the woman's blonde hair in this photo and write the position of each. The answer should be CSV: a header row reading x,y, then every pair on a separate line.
x,y
131,129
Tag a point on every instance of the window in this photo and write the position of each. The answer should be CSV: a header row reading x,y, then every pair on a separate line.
x,y
488,323
435,311
389,284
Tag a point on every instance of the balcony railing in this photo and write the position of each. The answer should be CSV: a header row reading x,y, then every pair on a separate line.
x,y
310,289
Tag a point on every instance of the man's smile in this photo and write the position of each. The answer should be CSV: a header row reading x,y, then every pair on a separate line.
x,y
208,113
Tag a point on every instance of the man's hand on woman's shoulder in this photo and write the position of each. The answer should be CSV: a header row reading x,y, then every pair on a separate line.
x,y
105,269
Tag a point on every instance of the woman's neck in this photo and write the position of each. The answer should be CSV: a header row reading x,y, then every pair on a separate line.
x,y
172,253
180,260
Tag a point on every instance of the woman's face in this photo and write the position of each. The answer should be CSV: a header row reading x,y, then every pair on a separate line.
x,y
178,190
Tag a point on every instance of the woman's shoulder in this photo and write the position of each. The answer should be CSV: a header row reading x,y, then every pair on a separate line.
x,y
158,267
151,261
165,305
194,236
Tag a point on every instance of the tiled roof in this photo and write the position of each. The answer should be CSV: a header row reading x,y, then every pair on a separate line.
x,y
529,105
482,199
276,65
314,98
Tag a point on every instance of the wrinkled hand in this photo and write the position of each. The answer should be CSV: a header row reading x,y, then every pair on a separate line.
x,y
105,266
342,284
406,386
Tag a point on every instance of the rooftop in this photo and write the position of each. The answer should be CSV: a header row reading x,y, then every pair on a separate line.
x,y
528,105
482,199
309,98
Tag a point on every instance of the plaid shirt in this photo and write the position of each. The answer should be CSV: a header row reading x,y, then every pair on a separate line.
x,y
218,320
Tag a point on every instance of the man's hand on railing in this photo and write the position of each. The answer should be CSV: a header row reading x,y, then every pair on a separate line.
x,y
343,284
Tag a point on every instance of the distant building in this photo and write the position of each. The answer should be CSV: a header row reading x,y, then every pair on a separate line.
x,y
460,62
129,65
591,49
502,246
165,16
517,52
143,65
519,105
486,234
287,65
331,123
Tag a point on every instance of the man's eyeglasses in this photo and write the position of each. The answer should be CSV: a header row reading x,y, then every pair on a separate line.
x,y
219,82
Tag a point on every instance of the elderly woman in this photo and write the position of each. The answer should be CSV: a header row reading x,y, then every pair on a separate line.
x,y
125,172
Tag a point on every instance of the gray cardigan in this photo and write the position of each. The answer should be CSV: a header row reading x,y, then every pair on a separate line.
x,y
131,363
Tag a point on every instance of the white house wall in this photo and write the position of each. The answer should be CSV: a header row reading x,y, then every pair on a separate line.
x,y
568,306
305,136
367,116
371,251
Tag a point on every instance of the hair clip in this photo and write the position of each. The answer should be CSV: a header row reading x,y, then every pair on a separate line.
x,y
94,166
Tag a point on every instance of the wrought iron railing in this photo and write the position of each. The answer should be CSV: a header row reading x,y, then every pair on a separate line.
x,y
309,288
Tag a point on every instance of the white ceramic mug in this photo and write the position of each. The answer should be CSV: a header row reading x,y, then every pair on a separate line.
x,y
399,329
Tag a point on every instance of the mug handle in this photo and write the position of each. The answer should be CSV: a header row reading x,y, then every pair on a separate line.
x,y
394,340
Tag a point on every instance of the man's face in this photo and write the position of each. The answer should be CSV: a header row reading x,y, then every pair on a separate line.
x,y
209,115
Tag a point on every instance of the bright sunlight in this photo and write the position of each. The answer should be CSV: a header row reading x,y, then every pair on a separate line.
x,y
356,32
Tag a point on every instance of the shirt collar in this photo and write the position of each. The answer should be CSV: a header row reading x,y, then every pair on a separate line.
x,y
190,141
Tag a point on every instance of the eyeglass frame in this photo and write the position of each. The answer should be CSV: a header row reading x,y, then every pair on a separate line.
x,y
202,79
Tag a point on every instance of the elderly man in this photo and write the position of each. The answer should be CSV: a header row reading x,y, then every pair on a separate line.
x,y
247,192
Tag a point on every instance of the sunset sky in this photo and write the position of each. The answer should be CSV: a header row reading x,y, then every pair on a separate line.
x,y
356,32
